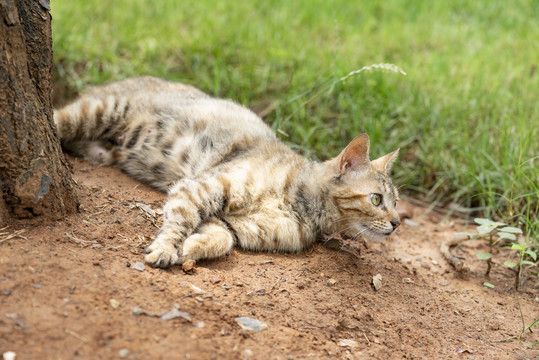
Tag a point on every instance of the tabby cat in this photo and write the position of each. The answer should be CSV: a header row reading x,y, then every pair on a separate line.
x,y
229,179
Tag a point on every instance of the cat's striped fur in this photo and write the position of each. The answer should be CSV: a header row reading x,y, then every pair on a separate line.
x,y
229,179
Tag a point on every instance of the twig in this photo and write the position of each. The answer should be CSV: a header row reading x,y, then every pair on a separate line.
x,y
80,241
6,236
445,250
72,333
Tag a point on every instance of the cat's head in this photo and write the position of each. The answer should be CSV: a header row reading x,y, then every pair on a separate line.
x,y
362,192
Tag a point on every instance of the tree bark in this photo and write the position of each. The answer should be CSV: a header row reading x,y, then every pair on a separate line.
x,y
34,176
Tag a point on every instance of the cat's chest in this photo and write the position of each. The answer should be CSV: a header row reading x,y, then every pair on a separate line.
x,y
270,224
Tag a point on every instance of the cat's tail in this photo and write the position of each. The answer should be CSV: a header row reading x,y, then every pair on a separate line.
x,y
91,126
92,118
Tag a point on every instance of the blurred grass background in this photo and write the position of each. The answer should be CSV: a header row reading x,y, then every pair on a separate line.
x,y
466,115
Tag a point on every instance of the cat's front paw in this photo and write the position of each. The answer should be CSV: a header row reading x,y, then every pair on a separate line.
x,y
162,254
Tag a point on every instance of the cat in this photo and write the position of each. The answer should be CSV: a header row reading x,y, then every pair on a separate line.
x,y
230,181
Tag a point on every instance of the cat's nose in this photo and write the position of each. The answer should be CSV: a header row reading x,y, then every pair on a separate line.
x,y
395,223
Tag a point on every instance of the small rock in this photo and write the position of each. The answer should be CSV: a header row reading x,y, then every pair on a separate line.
x,y
138,266
348,343
123,353
9,355
249,324
173,314
137,311
407,280
96,246
189,265
377,281
434,262
332,282
248,352
199,324
215,280
37,286
537,298
114,303
196,289
333,243
410,223
199,299
6,292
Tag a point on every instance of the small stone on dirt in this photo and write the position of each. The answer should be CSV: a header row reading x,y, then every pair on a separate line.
x,y
9,355
410,223
333,243
215,280
189,265
37,286
407,280
250,324
114,303
196,289
6,292
173,314
138,266
332,282
377,281
123,353
348,343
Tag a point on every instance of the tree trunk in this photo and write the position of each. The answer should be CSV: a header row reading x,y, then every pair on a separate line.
x,y
34,176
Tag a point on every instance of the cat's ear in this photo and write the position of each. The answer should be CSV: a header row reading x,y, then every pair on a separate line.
x,y
356,155
384,163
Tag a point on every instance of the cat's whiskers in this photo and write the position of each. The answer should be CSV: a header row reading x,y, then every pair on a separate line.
x,y
360,232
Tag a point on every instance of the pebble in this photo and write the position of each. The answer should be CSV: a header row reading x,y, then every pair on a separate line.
x,y
188,265
377,281
37,286
123,353
250,324
137,310
9,355
114,303
214,280
6,292
175,313
138,266
348,343
248,352
332,282
407,280
411,223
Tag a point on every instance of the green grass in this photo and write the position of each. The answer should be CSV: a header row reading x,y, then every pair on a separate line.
x,y
466,115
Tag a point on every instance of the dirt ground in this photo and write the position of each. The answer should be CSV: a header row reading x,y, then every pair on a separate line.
x,y
71,290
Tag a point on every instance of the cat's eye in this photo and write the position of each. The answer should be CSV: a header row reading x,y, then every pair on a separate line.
x,y
376,199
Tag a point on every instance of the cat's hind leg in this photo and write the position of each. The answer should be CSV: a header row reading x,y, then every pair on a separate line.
x,y
211,239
